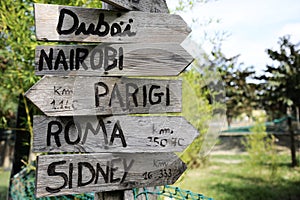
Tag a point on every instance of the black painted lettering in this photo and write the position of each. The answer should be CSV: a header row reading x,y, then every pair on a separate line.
x,y
56,133
72,56
165,131
163,142
160,163
116,93
115,29
51,172
82,29
179,143
117,128
48,59
71,168
97,90
110,56
158,95
105,175
113,169
61,59
77,127
174,141
61,18
144,95
56,90
102,28
66,92
101,25
80,170
126,169
167,95
81,55
127,30
94,52
131,94
121,58
89,127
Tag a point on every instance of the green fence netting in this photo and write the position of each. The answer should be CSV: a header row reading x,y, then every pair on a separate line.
x,y
170,192
23,187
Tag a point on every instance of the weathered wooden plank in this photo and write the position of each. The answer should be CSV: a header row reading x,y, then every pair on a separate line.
x,y
68,96
81,173
112,134
66,23
112,60
155,6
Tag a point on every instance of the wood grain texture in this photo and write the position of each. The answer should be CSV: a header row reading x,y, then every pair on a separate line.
x,y
73,174
155,6
112,60
121,27
112,134
68,96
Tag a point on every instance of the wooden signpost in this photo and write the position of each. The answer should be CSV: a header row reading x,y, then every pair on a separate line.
x,y
67,23
112,60
85,85
112,134
81,95
81,173
157,6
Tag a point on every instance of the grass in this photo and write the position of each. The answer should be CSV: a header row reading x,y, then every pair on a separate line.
x,y
229,177
237,180
4,183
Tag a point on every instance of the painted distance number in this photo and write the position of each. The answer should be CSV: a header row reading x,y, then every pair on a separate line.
x,y
163,142
163,173
62,104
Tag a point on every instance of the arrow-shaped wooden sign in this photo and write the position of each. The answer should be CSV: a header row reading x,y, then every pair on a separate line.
x,y
68,96
66,23
157,6
81,173
112,60
112,134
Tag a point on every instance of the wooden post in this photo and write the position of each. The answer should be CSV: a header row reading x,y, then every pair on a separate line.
x,y
120,194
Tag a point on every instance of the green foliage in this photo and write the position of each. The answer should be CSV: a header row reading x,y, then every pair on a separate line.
x,y
281,86
17,51
17,45
199,111
261,148
184,5
4,182
241,96
16,54
228,178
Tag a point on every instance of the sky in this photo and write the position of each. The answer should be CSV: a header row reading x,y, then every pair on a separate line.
x,y
253,26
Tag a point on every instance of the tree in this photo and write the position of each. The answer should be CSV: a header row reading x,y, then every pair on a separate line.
x,y
240,95
282,85
203,92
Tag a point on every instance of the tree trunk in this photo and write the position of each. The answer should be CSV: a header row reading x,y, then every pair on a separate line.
x,y
297,117
22,140
293,145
